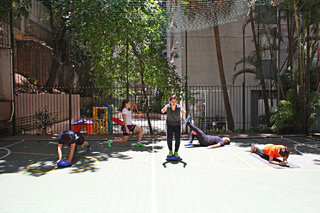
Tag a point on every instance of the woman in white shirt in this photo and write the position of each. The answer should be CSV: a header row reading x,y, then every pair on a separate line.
x,y
127,126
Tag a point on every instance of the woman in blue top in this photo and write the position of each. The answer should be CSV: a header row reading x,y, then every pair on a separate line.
x,y
173,122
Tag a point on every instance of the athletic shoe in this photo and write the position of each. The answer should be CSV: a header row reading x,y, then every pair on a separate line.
x,y
253,149
187,119
108,143
89,148
176,155
170,154
189,144
140,144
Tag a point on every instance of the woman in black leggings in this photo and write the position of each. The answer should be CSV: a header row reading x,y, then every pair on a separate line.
x,y
210,141
173,122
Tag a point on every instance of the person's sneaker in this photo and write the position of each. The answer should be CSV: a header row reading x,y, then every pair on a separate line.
x,y
189,144
89,148
108,143
170,156
176,156
187,119
140,144
253,149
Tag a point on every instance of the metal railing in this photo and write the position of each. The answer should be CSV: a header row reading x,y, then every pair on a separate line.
x,y
94,111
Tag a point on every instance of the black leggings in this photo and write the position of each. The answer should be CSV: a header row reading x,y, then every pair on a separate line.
x,y
204,139
177,132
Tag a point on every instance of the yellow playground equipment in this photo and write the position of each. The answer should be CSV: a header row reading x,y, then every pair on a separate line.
x,y
100,118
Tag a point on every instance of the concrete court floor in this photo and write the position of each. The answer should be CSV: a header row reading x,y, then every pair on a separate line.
x,y
131,179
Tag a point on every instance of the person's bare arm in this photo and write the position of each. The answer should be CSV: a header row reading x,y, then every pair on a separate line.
x,y
59,152
183,111
164,109
214,146
282,163
72,148
125,123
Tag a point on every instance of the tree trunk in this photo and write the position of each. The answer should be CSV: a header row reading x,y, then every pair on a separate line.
x,y
141,62
230,121
307,77
60,55
262,82
301,87
290,27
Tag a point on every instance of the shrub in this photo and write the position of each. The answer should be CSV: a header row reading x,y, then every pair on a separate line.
x,y
43,120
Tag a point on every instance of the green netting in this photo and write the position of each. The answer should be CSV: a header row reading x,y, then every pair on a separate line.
x,y
190,15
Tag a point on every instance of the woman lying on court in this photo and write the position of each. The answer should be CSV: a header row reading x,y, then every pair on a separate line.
x,y
210,141
272,151
72,139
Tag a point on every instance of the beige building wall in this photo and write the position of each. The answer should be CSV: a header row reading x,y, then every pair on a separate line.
x,y
202,60
202,68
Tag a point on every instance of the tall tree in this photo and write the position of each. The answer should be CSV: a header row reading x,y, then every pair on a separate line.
x,y
58,18
119,31
260,70
230,121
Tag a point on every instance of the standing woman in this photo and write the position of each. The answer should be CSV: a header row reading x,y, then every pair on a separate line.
x,y
127,126
173,122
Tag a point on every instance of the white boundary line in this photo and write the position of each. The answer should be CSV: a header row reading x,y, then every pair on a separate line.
x,y
300,144
14,143
153,181
8,150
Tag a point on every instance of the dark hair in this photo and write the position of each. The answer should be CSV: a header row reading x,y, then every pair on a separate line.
x,y
123,105
284,152
66,139
173,97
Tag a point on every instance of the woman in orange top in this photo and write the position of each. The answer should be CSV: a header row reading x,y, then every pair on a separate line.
x,y
272,151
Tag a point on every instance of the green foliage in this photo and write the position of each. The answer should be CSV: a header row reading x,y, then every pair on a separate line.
x,y
291,118
43,120
123,39
314,107
250,60
19,7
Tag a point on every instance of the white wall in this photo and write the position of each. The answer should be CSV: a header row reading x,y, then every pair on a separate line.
x,y
202,61
203,67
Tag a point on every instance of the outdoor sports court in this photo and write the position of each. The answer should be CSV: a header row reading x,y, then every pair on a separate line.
x,y
126,178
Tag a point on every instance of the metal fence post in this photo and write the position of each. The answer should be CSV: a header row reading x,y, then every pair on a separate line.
x,y
70,107
244,80
186,81
13,74
278,75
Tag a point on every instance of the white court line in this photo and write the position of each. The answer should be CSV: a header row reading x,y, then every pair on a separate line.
x,y
8,150
153,181
301,144
14,143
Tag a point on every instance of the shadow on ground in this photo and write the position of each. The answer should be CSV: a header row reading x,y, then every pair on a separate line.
x,y
38,158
